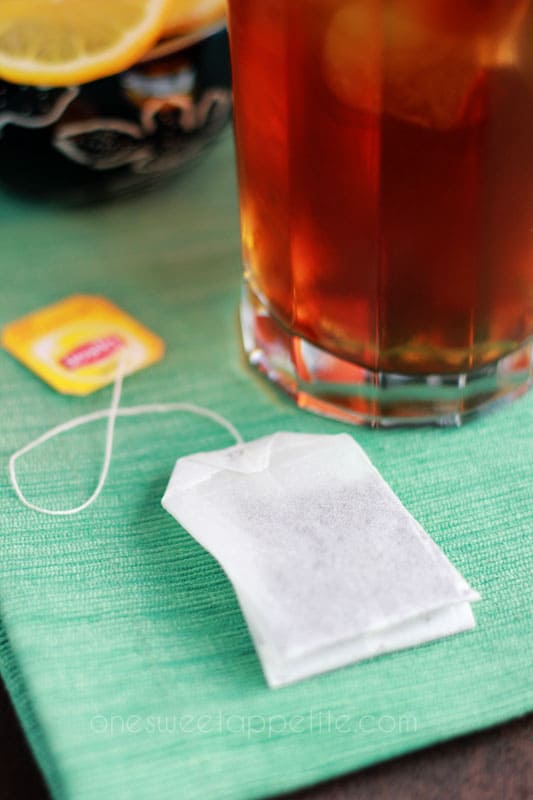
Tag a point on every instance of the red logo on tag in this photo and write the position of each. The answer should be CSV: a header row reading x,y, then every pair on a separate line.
x,y
92,352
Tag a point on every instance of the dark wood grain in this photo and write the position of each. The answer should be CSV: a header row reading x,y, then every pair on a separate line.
x,y
20,778
493,765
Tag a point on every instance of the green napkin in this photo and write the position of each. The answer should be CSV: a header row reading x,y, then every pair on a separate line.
x,y
123,646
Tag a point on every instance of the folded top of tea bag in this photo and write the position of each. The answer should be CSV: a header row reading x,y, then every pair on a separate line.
x,y
328,566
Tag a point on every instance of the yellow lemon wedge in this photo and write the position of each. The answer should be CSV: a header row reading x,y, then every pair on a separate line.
x,y
186,16
64,42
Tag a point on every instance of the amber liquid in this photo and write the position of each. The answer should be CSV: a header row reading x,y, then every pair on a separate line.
x,y
396,233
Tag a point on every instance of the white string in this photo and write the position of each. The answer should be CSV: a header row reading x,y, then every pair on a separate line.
x,y
111,413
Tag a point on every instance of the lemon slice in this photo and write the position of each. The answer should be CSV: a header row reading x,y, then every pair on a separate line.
x,y
62,42
185,16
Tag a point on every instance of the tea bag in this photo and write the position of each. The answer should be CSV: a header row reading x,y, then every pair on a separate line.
x,y
328,566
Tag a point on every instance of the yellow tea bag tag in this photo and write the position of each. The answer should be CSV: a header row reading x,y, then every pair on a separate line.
x,y
77,344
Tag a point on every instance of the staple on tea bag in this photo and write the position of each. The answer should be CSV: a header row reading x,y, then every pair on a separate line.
x,y
328,566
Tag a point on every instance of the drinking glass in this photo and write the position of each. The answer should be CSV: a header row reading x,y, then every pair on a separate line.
x,y
385,162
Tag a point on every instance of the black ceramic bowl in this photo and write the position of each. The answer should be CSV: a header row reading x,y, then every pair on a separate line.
x,y
83,143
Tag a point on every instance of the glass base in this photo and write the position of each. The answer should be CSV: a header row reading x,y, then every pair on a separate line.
x,y
325,384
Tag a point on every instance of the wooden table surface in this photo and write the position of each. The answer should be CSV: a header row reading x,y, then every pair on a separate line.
x,y
493,765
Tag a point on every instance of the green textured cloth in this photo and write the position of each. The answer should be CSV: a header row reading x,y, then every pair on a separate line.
x,y
123,646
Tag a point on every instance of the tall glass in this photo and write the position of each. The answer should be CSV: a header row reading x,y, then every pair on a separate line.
x,y
385,159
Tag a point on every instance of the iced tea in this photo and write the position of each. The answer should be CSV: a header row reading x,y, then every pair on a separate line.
x,y
385,156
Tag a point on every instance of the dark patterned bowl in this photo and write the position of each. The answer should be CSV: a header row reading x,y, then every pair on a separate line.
x,y
120,133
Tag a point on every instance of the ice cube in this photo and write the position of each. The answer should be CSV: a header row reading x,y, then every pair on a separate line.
x,y
352,57
411,59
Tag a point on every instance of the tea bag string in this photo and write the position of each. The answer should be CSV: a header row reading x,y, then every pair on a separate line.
x,y
111,413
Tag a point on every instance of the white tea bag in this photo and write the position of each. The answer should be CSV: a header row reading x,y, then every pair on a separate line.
x,y
328,566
